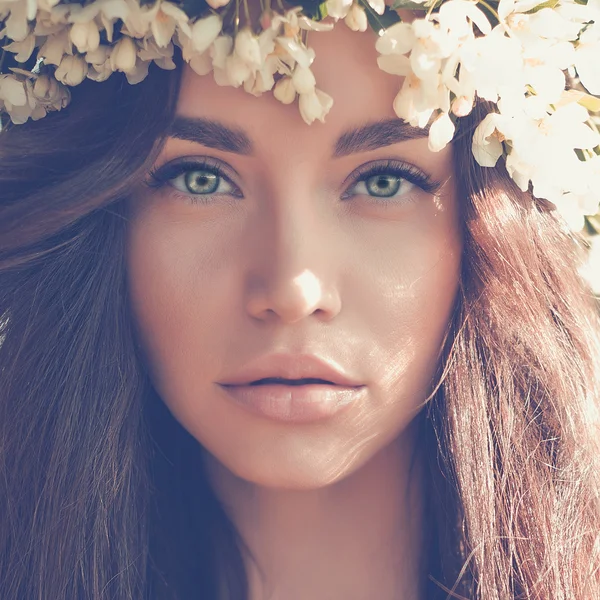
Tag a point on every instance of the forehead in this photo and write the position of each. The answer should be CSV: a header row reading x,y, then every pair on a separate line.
x,y
345,67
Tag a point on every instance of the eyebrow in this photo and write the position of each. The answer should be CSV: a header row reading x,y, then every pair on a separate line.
x,y
377,135
211,134
217,135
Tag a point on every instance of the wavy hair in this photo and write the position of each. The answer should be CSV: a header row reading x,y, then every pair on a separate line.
x,y
96,498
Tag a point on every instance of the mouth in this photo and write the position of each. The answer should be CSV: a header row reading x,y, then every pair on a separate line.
x,y
303,400
293,382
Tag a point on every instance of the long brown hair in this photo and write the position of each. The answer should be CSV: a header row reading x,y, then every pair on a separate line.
x,y
97,500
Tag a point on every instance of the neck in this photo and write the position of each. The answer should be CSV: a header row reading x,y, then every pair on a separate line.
x,y
361,537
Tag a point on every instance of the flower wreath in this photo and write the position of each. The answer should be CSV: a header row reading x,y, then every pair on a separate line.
x,y
537,60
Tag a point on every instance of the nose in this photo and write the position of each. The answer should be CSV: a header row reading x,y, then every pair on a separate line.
x,y
293,269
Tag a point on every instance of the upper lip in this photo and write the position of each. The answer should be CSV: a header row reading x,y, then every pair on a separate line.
x,y
292,366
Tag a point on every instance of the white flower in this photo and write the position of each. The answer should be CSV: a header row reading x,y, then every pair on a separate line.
x,y
296,50
168,18
201,63
303,79
16,26
487,145
247,48
397,39
338,9
356,19
138,73
50,93
85,36
12,91
99,62
291,21
587,56
377,5
104,12
456,17
544,63
139,18
489,65
417,99
263,78
216,4
315,105
123,56
150,51
205,31
462,105
285,91
24,49
441,132
220,50
237,70
72,70
55,47
542,151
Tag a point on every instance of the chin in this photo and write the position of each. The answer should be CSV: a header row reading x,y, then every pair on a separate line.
x,y
303,472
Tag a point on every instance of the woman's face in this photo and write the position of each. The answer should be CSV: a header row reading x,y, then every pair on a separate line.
x,y
339,240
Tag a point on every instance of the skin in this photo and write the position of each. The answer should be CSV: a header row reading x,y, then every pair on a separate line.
x,y
329,509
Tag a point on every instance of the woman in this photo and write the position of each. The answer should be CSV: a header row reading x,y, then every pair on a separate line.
x,y
243,357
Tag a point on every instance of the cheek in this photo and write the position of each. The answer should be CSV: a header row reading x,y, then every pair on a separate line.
x,y
404,292
180,298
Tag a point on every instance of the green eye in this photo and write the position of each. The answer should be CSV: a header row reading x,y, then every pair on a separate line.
x,y
383,186
202,182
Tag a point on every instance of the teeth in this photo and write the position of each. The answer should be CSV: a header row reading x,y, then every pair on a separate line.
x,y
281,380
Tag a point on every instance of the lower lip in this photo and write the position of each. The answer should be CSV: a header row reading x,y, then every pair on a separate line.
x,y
295,404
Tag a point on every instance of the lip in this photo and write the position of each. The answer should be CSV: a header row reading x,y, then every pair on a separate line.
x,y
292,366
295,404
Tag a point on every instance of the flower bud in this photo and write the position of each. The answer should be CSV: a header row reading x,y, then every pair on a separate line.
x,y
237,70
377,5
12,90
72,70
356,19
124,55
50,93
45,88
315,105
201,63
304,80
217,3
205,32
248,48
22,50
462,106
285,91
85,36
338,9
441,132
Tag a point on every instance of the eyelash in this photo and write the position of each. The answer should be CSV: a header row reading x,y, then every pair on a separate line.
x,y
159,177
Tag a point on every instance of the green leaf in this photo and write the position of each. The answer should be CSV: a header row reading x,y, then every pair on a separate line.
x,y
313,9
379,23
592,103
593,223
546,4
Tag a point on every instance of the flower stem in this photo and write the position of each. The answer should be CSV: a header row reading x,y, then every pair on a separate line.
x,y
490,8
247,13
